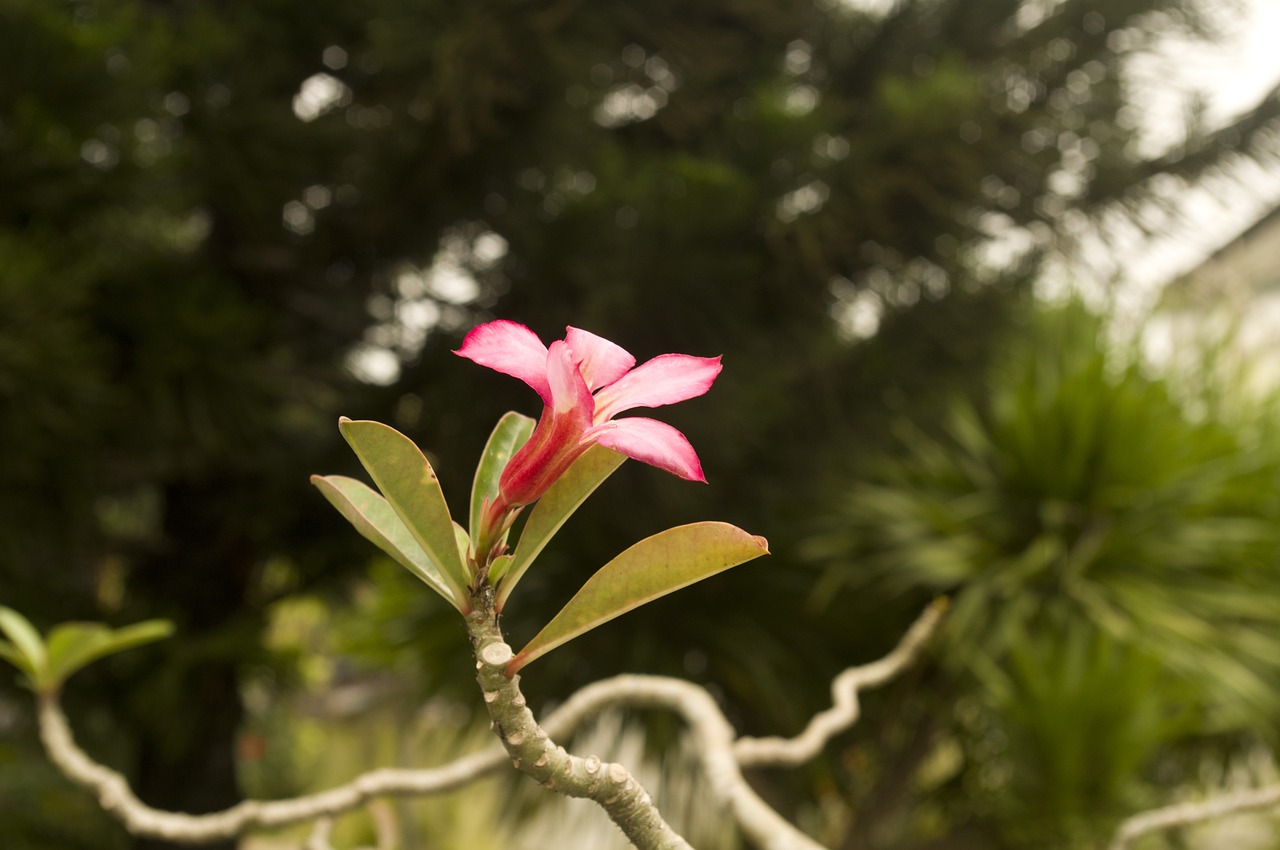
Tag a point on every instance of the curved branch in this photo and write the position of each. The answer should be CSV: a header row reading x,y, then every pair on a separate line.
x,y
789,752
535,753
1185,814
117,798
721,756
712,738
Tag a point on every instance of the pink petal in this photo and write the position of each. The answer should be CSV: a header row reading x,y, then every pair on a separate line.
x,y
652,442
602,362
665,379
512,349
553,447
569,392
558,439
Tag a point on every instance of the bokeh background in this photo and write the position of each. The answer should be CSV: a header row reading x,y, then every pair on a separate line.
x,y
223,225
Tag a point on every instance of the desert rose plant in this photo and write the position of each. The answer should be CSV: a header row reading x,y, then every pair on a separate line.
x,y
539,472
584,382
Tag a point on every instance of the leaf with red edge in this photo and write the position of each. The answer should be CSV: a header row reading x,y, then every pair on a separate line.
x,y
553,509
654,567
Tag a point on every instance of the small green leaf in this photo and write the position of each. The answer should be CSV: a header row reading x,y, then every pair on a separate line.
x,y
70,646
68,642
376,520
138,634
511,432
499,568
406,478
10,653
26,640
75,645
654,567
557,505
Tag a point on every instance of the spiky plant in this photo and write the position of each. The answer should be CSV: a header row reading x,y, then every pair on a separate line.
x,y
1113,550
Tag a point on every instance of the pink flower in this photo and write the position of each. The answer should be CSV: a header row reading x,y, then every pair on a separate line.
x,y
585,381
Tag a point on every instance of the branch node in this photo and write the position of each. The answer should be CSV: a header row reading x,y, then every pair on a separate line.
x,y
496,654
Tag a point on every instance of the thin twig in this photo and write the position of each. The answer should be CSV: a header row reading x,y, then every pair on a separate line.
x,y
115,796
789,752
318,839
319,836
1185,814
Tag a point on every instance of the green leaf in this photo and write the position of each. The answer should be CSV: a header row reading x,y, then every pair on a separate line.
x,y
654,567
26,640
377,522
67,642
498,568
10,653
69,647
511,432
75,645
463,541
409,483
557,505
138,634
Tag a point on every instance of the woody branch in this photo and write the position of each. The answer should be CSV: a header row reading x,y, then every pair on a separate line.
x,y
721,754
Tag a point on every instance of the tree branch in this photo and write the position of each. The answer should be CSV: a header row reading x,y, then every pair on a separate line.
x,y
116,798
533,751
712,738
1185,814
789,752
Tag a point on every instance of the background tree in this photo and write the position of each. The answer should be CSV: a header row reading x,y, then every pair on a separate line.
x,y
1110,541
217,222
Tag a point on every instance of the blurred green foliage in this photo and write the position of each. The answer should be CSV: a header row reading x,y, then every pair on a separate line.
x,y
1112,549
352,707
196,245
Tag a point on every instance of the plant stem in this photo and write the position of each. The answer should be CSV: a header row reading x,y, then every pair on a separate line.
x,y
534,753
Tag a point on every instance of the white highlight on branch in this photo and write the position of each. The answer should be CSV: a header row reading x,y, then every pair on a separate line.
x,y
713,740
1185,814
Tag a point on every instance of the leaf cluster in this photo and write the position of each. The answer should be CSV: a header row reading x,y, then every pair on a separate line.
x,y
413,526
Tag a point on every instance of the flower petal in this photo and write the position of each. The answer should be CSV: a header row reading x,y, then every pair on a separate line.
x,y
560,436
553,447
602,362
652,442
569,392
665,379
512,349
